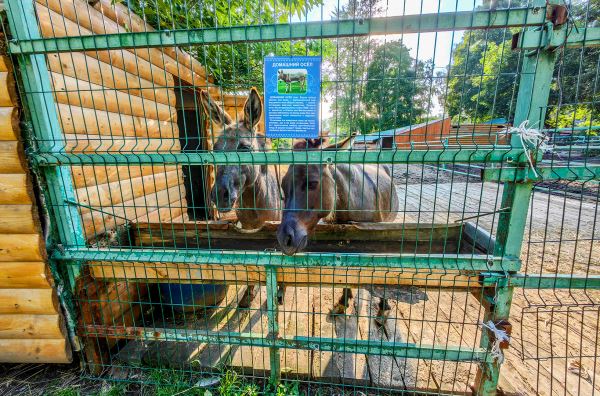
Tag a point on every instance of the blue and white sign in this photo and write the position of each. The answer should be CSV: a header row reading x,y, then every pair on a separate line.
x,y
292,96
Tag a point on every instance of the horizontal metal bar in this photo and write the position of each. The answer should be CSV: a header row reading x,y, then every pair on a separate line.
x,y
555,281
499,154
532,39
467,262
568,173
368,347
405,24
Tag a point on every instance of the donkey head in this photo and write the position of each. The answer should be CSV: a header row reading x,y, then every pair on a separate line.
x,y
238,135
309,192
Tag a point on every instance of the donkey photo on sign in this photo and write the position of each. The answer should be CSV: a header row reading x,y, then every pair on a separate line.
x,y
292,81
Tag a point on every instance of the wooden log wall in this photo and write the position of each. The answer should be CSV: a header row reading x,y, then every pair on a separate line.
x,y
32,327
118,101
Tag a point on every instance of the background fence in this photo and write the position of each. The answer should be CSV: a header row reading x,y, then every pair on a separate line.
x,y
465,182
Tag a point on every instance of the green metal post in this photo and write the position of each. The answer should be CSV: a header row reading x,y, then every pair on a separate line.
x,y
272,315
42,113
534,90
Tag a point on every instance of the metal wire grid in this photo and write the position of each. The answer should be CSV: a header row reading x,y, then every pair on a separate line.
x,y
431,189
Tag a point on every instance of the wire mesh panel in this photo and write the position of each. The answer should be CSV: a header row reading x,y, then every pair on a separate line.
x,y
454,176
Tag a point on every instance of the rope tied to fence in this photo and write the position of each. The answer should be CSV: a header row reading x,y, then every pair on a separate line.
x,y
531,137
499,337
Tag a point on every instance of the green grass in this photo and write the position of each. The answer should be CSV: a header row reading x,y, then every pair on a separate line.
x,y
295,88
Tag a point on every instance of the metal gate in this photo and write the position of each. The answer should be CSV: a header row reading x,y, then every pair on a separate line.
x,y
421,300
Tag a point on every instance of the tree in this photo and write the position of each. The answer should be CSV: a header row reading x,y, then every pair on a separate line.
x,y
394,85
236,66
482,81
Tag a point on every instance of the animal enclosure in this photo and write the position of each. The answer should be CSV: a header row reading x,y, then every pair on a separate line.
x,y
440,235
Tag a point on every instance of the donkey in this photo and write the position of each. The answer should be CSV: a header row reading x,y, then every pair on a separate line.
x,y
254,189
339,193
288,79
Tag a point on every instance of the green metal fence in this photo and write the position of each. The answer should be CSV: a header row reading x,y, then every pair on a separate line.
x,y
449,262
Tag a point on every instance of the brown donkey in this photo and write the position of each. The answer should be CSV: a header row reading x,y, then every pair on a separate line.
x,y
339,193
254,189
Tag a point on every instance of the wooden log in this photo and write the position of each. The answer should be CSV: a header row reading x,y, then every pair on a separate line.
x,y
5,64
166,215
9,123
125,190
21,247
69,90
86,68
8,91
95,223
85,176
12,157
132,22
28,301
83,121
53,24
18,219
15,189
28,275
93,20
35,351
106,144
31,326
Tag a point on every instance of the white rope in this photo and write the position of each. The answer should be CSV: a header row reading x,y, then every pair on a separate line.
x,y
499,337
531,137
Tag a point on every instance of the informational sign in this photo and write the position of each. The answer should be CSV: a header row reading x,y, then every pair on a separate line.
x,y
292,96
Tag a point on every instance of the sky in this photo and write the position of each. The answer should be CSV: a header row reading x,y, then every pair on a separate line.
x,y
424,46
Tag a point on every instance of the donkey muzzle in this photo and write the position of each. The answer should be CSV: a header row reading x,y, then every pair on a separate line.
x,y
291,239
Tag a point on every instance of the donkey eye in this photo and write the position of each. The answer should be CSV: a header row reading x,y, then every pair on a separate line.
x,y
312,185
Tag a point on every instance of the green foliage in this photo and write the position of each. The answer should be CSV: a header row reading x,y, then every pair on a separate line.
x,y
236,66
232,384
483,79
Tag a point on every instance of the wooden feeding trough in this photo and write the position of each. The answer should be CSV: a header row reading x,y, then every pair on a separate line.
x,y
311,293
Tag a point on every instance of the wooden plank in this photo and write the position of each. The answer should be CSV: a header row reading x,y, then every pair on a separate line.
x,y
209,273
27,275
15,189
337,367
35,351
21,247
28,301
84,121
85,176
8,90
125,190
384,371
9,123
31,326
19,219
68,90
85,68
52,24
12,157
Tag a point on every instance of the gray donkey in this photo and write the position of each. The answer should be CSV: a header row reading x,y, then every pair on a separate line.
x,y
339,193
288,79
253,188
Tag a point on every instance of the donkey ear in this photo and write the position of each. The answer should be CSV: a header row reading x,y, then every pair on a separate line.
x,y
309,144
342,144
252,109
214,112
